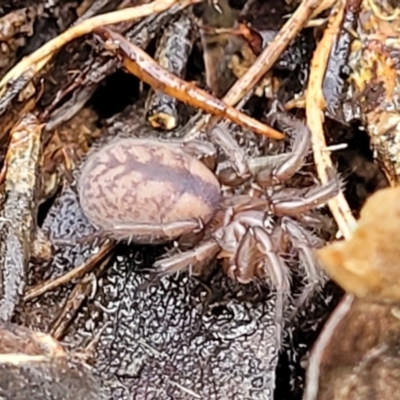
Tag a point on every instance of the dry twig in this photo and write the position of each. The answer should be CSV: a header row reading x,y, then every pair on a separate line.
x,y
272,52
139,63
315,104
76,273
78,295
324,5
37,60
18,210
265,60
172,53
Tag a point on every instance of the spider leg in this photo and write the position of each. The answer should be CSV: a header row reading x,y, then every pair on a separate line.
x,y
284,167
279,276
274,266
243,267
315,197
200,149
154,233
303,242
238,170
194,259
255,258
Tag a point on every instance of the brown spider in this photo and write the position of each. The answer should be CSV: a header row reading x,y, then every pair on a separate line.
x,y
152,191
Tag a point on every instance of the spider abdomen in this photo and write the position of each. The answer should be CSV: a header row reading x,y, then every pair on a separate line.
x,y
146,190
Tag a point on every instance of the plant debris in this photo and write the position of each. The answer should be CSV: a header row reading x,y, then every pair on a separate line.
x,y
33,365
214,78
18,213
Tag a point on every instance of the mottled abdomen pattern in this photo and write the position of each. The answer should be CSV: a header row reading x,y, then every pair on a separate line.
x,y
132,182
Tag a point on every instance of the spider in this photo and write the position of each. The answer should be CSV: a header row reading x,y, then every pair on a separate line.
x,y
153,191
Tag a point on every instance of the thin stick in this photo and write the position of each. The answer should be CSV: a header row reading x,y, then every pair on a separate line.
x,y
272,52
41,56
324,5
315,104
314,365
139,63
265,60
78,295
75,273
